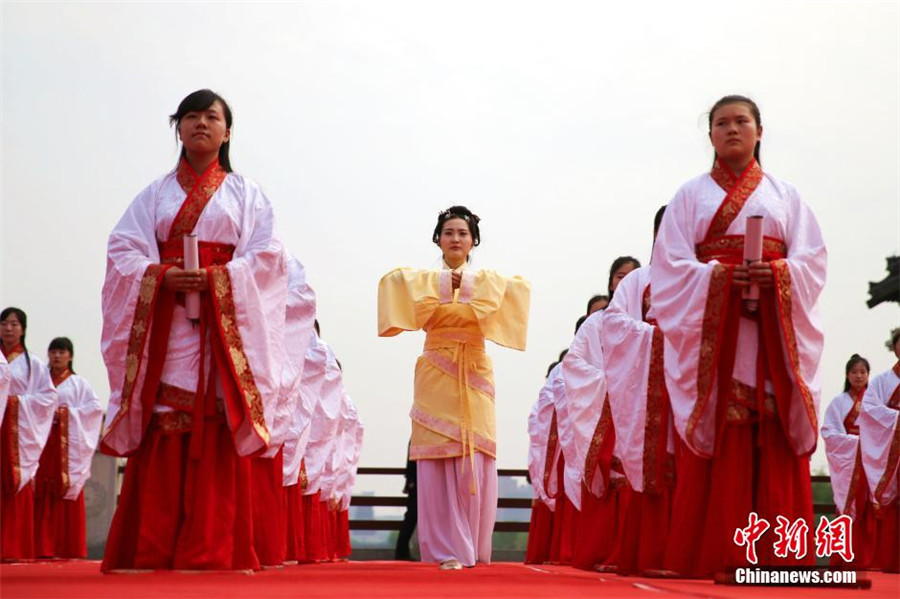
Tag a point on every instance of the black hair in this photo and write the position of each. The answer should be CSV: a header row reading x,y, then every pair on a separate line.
x,y
550,368
197,101
580,322
595,299
616,265
23,320
657,220
562,354
316,327
457,212
736,99
64,343
853,361
895,336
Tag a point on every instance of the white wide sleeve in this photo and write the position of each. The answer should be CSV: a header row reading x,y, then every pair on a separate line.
x,y
37,403
298,332
627,343
841,449
539,425
880,438
584,380
257,282
680,289
85,417
132,265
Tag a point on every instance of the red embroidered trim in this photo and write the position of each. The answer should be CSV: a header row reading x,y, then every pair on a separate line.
x,y
137,341
199,191
738,189
552,445
64,446
710,335
784,295
226,319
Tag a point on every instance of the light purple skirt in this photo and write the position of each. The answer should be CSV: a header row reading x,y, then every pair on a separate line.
x,y
454,523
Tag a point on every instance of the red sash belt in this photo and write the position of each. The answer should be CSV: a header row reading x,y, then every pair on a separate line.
x,y
211,254
729,249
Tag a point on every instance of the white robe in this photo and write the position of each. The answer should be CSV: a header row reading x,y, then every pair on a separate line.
x,y
539,428
627,341
841,449
298,334
315,367
878,436
36,406
348,452
239,215
324,427
85,418
579,412
680,288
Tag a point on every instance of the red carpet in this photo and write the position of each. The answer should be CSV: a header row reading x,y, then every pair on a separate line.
x,y
82,579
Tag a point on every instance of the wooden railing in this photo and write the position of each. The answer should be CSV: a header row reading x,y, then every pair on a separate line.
x,y
502,502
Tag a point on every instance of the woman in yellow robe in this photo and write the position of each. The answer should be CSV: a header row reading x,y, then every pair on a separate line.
x,y
453,425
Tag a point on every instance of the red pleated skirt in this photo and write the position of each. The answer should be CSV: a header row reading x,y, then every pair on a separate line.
x,y
16,507
876,534
314,535
645,533
755,470
539,533
176,512
329,517
344,547
887,547
268,510
59,524
562,537
295,548
600,524
17,524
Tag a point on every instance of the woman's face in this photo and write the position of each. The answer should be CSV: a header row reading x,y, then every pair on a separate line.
x,y
897,349
456,241
204,131
11,331
734,132
858,376
59,358
620,274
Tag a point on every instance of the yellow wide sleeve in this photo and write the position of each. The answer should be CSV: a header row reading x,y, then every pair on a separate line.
x,y
406,300
501,305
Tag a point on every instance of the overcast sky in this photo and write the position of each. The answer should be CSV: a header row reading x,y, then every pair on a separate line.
x,y
563,125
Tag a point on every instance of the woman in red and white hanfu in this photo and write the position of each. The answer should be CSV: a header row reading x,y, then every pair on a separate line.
x,y
544,454
190,400
295,480
65,466
348,448
633,349
267,471
595,480
26,421
319,451
879,439
840,432
743,379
